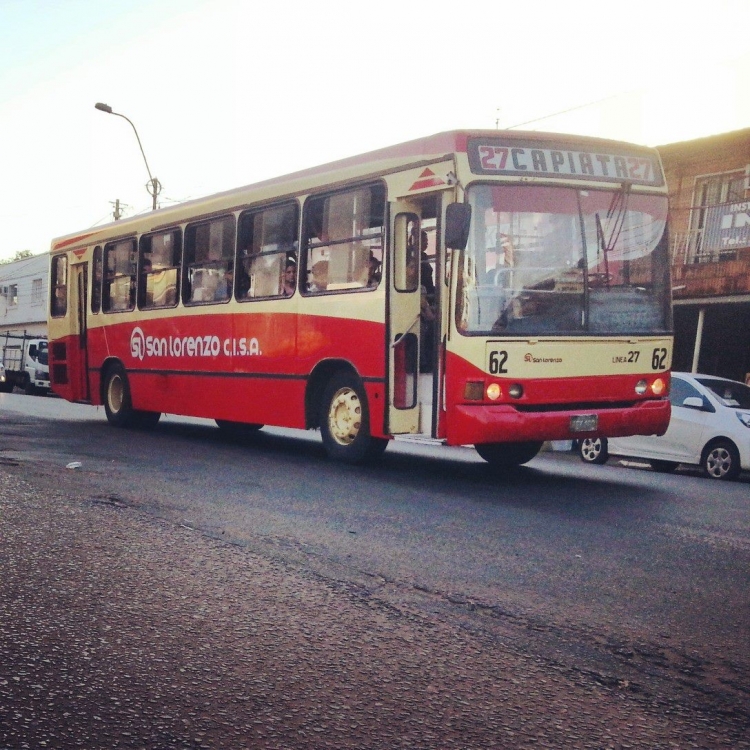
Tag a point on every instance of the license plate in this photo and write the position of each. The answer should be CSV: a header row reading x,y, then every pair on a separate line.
x,y
584,423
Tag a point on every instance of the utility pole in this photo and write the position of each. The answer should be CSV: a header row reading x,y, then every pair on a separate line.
x,y
118,211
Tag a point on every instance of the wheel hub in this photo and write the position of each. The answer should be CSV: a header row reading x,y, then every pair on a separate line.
x,y
115,394
345,416
719,462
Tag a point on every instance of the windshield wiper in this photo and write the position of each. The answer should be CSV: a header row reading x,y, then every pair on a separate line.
x,y
616,220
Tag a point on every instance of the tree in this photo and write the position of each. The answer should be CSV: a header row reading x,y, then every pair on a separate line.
x,y
20,255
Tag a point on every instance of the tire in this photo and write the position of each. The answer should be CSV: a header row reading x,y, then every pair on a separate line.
x,y
663,467
237,430
118,405
508,455
721,460
593,450
344,420
28,387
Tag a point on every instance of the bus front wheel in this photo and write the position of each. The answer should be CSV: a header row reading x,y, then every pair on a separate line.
x,y
508,455
118,405
345,421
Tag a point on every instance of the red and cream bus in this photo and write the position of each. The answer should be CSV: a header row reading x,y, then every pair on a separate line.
x,y
490,288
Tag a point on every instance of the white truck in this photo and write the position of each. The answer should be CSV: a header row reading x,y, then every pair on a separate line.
x,y
26,361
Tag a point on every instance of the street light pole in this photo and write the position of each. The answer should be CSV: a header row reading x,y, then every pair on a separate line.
x,y
153,186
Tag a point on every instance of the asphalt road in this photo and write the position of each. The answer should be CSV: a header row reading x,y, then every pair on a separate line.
x,y
618,578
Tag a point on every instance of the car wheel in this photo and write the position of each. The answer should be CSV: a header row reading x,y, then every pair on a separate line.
x,y
721,460
663,467
593,450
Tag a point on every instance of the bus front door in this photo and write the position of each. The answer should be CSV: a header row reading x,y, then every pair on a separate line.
x,y
403,321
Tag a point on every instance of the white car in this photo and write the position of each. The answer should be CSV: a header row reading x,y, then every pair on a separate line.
x,y
709,427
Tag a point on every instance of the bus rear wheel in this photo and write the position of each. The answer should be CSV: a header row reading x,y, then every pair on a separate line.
x,y
118,405
508,455
345,421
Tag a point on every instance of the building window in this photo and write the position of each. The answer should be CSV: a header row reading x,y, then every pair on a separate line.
x,y
718,220
13,295
36,292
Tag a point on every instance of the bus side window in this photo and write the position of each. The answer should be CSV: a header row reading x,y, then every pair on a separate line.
x,y
96,280
208,267
343,240
267,247
118,293
159,269
59,285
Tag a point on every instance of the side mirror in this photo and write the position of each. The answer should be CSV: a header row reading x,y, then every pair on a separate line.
x,y
457,221
693,402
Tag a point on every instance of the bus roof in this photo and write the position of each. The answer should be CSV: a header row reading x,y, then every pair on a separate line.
x,y
430,148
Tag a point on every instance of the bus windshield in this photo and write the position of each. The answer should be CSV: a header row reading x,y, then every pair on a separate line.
x,y
562,260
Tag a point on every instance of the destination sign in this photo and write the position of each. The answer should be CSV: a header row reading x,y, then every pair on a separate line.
x,y
517,158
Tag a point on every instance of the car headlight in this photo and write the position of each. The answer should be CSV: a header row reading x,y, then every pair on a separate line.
x,y
744,417
40,375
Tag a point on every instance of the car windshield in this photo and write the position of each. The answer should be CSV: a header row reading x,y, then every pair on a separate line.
x,y
43,354
730,393
553,259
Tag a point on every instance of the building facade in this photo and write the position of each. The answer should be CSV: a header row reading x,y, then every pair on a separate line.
x,y
23,295
709,192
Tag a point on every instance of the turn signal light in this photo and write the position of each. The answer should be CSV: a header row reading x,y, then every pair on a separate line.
x,y
659,387
494,391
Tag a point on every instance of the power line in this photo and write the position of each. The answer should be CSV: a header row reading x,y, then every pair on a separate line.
x,y
570,109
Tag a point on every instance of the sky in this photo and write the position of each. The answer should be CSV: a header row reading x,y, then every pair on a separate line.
x,y
225,93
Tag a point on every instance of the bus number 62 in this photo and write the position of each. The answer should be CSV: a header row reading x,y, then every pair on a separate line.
x,y
497,362
658,358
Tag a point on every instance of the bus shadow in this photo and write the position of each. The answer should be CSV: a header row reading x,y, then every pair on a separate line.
x,y
548,485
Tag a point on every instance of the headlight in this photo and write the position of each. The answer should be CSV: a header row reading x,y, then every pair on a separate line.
x,y
40,375
744,417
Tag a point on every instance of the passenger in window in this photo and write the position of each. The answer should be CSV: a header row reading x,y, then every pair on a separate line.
x,y
319,280
427,331
224,287
243,280
427,279
374,273
290,277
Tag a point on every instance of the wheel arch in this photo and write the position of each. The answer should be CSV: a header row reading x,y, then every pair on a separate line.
x,y
316,384
714,441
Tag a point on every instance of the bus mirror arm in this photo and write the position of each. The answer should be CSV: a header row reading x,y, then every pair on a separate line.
x,y
457,221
